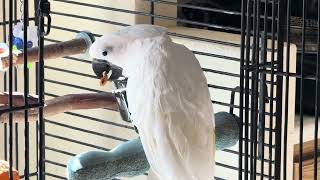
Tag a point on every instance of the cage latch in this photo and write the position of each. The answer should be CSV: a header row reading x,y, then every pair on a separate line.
x,y
44,12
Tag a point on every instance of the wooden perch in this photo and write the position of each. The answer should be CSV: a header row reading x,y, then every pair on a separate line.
x,y
61,104
18,99
52,51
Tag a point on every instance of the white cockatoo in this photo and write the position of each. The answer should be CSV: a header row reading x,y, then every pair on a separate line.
x,y
168,99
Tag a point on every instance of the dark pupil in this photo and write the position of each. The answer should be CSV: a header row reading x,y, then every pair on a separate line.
x,y
105,53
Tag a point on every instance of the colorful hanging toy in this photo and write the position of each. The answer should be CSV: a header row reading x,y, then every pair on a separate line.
x,y
18,41
18,36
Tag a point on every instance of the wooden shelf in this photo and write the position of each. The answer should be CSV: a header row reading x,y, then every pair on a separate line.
x,y
308,161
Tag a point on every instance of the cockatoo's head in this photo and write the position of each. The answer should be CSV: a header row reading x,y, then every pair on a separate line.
x,y
121,48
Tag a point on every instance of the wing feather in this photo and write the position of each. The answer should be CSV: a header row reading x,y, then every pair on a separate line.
x,y
176,126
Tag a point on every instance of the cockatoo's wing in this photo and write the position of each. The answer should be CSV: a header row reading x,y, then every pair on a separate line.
x,y
170,104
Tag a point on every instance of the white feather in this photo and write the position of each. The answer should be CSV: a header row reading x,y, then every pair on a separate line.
x,y
169,101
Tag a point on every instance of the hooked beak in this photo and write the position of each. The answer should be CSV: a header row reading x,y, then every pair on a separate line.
x,y
106,71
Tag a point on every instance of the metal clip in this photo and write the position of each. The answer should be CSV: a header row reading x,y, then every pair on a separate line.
x,y
44,12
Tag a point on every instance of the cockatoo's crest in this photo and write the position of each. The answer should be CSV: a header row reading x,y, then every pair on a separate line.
x,y
117,47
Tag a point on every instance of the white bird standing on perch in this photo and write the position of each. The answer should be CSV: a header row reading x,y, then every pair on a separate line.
x,y
168,99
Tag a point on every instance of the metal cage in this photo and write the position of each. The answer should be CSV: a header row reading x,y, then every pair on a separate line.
x,y
269,31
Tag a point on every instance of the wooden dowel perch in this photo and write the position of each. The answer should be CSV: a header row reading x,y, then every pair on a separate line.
x,y
18,99
75,46
60,104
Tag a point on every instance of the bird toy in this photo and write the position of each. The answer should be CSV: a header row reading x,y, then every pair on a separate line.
x,y
17,41
18,36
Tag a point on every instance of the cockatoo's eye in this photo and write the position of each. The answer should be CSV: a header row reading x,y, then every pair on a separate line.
x,y
105,53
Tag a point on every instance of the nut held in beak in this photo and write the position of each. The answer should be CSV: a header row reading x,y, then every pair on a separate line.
x,y
104,79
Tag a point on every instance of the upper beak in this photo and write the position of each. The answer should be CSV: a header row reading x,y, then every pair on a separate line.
x,y
106,71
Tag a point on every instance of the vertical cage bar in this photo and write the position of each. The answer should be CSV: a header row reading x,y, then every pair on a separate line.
x,y
16,125
152,12
242,53
286,118
278,137
247,91
37,124
316,120
10,89
252,112
16,89
40,83
255,91
263,87
302,89
5,127
26,86
36,15
272,85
